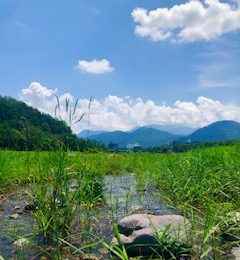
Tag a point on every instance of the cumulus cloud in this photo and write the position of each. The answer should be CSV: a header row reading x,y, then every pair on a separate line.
x,y
37,95
45,100
124,113
95,66
192,21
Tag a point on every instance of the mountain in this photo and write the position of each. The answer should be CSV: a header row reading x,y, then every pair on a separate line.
x,y
151,136
174,129
25,128
87,133
218,131
144,136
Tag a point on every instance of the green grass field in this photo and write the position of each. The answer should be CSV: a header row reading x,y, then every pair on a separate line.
x,y
204,185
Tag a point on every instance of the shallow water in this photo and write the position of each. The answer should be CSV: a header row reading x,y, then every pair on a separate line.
x,y
10,229
122,197
122,192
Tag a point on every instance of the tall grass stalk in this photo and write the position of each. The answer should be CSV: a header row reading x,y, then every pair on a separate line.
x,y
58,203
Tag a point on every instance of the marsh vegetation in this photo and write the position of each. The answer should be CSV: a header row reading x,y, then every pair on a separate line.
x,y
69,209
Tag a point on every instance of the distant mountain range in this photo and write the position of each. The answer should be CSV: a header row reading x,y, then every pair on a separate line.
x,y
174,129
218,131
87,133
154,135
143,136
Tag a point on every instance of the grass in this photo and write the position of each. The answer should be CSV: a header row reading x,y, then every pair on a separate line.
x,y
202,184
18,168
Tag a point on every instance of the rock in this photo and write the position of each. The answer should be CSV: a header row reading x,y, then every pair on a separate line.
x,y
3,198
124,240
136,208
103,251
235,254
14,216
144,234
230,230
29,207
139,221
43,258
18,210
21,242
89,257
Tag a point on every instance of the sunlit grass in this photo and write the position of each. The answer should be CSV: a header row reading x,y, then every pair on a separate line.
x,y
204,185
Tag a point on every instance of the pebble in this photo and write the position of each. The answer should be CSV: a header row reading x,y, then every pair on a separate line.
x,y
136,208
89,257
43,258
21,242
14,216
30,207
18,210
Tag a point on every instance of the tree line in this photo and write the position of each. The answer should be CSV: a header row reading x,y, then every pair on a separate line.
x,y
25,128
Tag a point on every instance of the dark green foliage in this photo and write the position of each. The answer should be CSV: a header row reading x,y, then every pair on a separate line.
x,y
177,147
25,128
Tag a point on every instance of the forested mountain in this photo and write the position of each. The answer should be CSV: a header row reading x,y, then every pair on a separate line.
x,y
87,133
151,137
143,136
174,129
219,131
25,128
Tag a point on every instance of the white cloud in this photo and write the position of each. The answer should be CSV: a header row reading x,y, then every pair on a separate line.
x,y
192,21
123,113
37,95
95,66
45,100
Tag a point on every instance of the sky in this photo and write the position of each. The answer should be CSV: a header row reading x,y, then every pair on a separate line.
x,y
142,61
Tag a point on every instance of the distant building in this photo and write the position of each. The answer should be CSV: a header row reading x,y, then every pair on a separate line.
x,y
137,148
134,147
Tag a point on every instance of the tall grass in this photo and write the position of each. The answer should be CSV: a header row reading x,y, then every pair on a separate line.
x,y
20,167
58,203
203,185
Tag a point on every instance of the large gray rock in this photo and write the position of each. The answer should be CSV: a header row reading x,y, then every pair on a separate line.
x,y
139,221
144,234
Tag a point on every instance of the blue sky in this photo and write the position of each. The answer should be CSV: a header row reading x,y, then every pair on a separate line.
x,y
44,41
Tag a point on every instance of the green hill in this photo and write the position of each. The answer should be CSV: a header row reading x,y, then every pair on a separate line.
x,y
218,131
144,136
25,128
